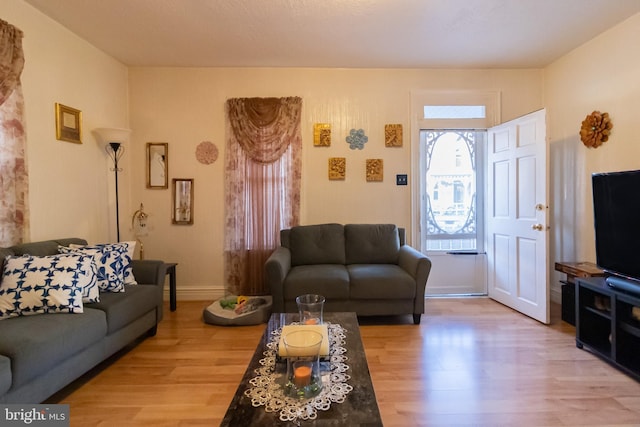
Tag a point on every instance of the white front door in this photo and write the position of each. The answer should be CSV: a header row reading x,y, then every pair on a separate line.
x,y
517,247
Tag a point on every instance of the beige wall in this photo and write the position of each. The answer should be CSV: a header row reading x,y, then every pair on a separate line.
x,y
71,187
184,106
601,75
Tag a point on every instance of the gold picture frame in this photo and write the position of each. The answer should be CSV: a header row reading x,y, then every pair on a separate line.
x,y
157,165
68,124
182,196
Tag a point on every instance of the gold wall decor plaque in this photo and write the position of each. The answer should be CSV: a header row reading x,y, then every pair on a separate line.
x,y
337,168
374,170
393,135
321,134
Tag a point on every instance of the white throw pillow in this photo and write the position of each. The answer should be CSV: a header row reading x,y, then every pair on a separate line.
x,y
44,284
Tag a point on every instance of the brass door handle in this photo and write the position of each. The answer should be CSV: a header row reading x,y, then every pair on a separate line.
x,y
538,227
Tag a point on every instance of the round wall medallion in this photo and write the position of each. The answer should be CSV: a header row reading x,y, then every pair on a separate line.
x,y
206,152
595,129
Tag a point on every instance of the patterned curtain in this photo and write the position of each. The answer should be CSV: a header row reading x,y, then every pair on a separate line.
x,y
14,182
263,168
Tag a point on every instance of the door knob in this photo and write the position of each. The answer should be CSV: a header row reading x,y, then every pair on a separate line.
x,y
538,227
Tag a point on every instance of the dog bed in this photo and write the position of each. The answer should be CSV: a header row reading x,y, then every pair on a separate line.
x,y
216,314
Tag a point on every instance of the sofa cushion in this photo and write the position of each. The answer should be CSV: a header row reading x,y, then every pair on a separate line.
x,y
329,280
380,281
371,243
122,308
5,374
44,284
37,344
317,244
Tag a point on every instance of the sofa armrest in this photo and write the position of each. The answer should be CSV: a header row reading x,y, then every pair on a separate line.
x,y
418,265
149,272
277,267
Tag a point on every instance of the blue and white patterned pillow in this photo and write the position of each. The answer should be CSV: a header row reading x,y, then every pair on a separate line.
x,y
130,247
44,284
109,265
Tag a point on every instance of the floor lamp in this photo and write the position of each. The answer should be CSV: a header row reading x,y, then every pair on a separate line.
x,y
113,140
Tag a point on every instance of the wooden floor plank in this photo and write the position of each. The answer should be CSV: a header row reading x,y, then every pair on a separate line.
x,y
471,362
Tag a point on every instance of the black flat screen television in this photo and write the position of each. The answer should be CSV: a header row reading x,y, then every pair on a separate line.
x,y
616,211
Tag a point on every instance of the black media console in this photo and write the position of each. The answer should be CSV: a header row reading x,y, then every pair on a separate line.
x,y
608,323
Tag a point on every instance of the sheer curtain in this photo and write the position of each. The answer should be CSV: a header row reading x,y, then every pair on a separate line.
x,y
262,187
14,184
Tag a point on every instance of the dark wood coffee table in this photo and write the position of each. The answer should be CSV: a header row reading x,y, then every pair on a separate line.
x,y
360,407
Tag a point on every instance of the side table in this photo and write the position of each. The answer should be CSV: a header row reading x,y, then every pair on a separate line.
x,y
171,271
574,270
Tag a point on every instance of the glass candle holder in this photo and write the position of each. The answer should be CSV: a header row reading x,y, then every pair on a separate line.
x,y
303,364
310,308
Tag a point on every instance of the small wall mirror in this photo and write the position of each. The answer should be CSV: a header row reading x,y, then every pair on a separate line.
x,y
182,190
157,165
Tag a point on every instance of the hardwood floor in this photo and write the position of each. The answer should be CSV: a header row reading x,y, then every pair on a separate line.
x,y
471,362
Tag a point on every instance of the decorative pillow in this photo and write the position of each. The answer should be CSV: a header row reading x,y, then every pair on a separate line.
x,y
130,247
110,268
44,284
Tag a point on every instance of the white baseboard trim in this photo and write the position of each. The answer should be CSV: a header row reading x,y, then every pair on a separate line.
x,y
194,293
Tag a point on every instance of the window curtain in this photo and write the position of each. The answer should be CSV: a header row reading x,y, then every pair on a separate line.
x,y
262,188
14,223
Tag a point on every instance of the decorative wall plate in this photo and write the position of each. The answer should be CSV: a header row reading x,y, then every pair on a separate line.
x,y
595,129
357,139
337,168
393,135
322,135
206,152
374,170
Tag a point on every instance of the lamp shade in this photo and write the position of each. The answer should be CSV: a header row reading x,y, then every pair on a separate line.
x,y
109,135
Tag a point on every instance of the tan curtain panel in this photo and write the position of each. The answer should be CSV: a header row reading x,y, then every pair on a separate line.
x,y
262,185
14,182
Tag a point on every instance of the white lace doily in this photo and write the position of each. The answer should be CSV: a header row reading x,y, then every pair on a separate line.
x,y
266,387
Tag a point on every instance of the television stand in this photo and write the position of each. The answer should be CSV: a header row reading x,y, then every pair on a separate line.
x,y
608,323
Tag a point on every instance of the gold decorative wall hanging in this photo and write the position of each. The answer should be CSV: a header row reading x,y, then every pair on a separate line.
x,y
337,168
206,152
322,135
595,129
374,170
393,135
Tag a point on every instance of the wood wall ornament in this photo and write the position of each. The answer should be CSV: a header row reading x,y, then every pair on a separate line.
x,y
595,129
206,152
322,135
374,170
337,168
393,135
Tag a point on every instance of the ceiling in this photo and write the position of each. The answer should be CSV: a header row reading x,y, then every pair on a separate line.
x,y
338,33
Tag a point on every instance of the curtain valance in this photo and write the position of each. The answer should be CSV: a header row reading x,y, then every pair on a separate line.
x,y
264,127
11,59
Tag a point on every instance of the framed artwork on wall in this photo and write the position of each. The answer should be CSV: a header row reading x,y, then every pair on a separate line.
x,y
182,208
157,165
68,124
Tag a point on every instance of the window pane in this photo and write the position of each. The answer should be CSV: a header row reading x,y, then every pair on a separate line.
x,y
451,190
454,112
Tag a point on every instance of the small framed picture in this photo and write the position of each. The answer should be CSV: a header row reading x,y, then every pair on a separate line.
x,y
68,124
182,191
157,165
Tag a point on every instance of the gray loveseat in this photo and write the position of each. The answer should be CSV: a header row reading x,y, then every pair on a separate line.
x,y
40,354
364,268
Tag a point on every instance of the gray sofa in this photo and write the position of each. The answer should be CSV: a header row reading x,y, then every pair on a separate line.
x,y
364,268
40,354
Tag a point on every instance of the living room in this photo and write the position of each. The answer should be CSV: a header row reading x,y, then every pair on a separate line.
x,y
72,193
